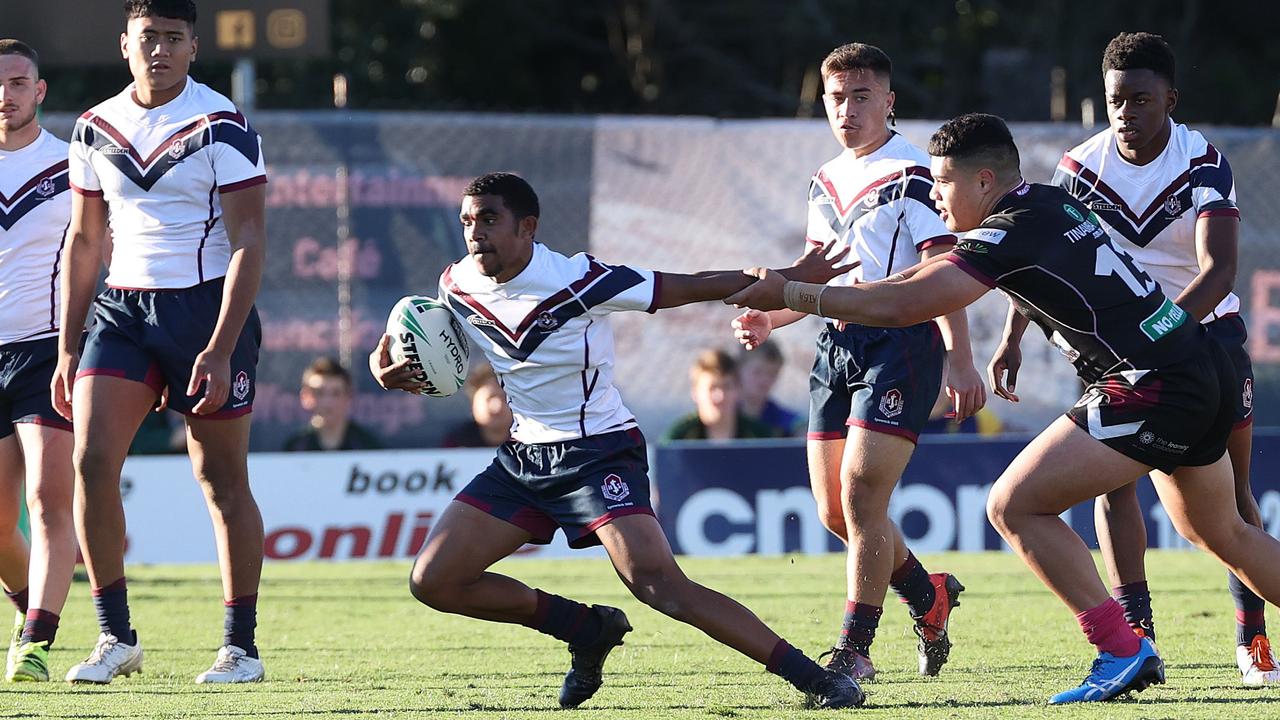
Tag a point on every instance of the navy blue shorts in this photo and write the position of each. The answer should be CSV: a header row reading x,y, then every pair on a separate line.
x,y
1231,334
578,485
154,336
880,379
26,371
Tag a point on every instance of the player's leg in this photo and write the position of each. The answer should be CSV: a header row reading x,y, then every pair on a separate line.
x,y
1122,538
108,410
825,456
13,546
643,559
1060,468
50,481
1254,656
219,451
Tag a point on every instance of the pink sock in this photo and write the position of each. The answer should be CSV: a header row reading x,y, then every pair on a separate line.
x,y
1106,628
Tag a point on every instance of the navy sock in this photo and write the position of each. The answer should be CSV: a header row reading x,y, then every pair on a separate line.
x,y
794,666
860,623
565,620
911,583
19,599
239,623
1250,611
112,605
1135,598
41,626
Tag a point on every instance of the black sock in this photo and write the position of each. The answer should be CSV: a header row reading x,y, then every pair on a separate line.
x,y
19,599
565,619
112,604
1135,598
41,626
794,666
860,623
911,583
239,623
1250,611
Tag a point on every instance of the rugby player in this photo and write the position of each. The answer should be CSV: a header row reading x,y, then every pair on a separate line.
x,y
35,442
871,388
1160,390
577,458
177,172
1166,195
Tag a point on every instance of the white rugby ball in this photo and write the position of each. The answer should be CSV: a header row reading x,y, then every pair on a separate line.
x,y
424,332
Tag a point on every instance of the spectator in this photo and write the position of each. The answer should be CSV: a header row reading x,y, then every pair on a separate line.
x,y
490,425
716,394
759,371
327,393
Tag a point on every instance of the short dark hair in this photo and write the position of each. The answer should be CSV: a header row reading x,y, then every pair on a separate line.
x,y
714,362
326,367
9,46
172,9
857,56
976,136
516,192
1139,51
768,352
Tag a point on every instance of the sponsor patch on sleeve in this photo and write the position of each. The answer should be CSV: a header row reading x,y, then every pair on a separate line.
x,y
991,236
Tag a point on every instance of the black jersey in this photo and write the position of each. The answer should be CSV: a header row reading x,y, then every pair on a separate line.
x,y
1051,256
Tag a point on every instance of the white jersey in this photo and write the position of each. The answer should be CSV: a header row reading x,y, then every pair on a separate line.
x,y
161,171
35,208
547,335
1151,210
879,206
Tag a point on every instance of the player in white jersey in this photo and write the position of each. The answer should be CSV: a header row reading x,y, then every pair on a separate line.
x,y
872,389
1167,196
178,173
577,459
35,442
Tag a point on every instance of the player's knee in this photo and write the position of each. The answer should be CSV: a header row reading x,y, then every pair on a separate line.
x,y
832,518
48,508
433,589
866,508
998,512
660,590
95,466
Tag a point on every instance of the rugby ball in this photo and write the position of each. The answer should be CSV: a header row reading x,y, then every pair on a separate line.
x,y
425,333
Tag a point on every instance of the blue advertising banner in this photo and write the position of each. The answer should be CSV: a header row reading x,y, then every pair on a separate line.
x,y
754,497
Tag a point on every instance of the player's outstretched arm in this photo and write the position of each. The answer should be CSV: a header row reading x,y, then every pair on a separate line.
x,y
813,267
244,213
1002,372
934,289
1217,240
81,259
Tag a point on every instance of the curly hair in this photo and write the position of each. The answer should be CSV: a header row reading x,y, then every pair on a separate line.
x,y
1139,51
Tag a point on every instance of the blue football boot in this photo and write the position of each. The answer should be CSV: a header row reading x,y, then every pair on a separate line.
x,y
1111,676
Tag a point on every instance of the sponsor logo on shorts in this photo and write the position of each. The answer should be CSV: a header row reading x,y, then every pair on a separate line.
x,y
1146,437
615,488
1173,205
546,321
177,149
1246,397
240,388
891,403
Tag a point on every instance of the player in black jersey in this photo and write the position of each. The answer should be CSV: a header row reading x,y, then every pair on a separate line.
x,y
1158,397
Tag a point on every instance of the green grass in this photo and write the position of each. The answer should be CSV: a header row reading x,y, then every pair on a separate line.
x,y
348,641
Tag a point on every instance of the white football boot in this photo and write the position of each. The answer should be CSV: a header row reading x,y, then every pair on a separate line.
x,y
109,658
232,666
1257,663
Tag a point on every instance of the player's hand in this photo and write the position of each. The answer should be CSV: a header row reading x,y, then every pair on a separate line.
x,y
392,376
752,328
964,387
763,294
815,267
64,376
213,370
162,402
1002,373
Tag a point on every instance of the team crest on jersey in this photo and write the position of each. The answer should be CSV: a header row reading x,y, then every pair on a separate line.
x,y
614,488
1173,205
177,149
241,386
45,188
546,321
481,321
891,403
1246,397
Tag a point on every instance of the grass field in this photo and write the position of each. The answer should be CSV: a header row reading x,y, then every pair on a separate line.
x,y
346,640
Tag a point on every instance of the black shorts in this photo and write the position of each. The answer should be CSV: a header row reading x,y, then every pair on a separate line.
x,y
1178,415
26,372
1231,334
578,485
154,336
880,379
